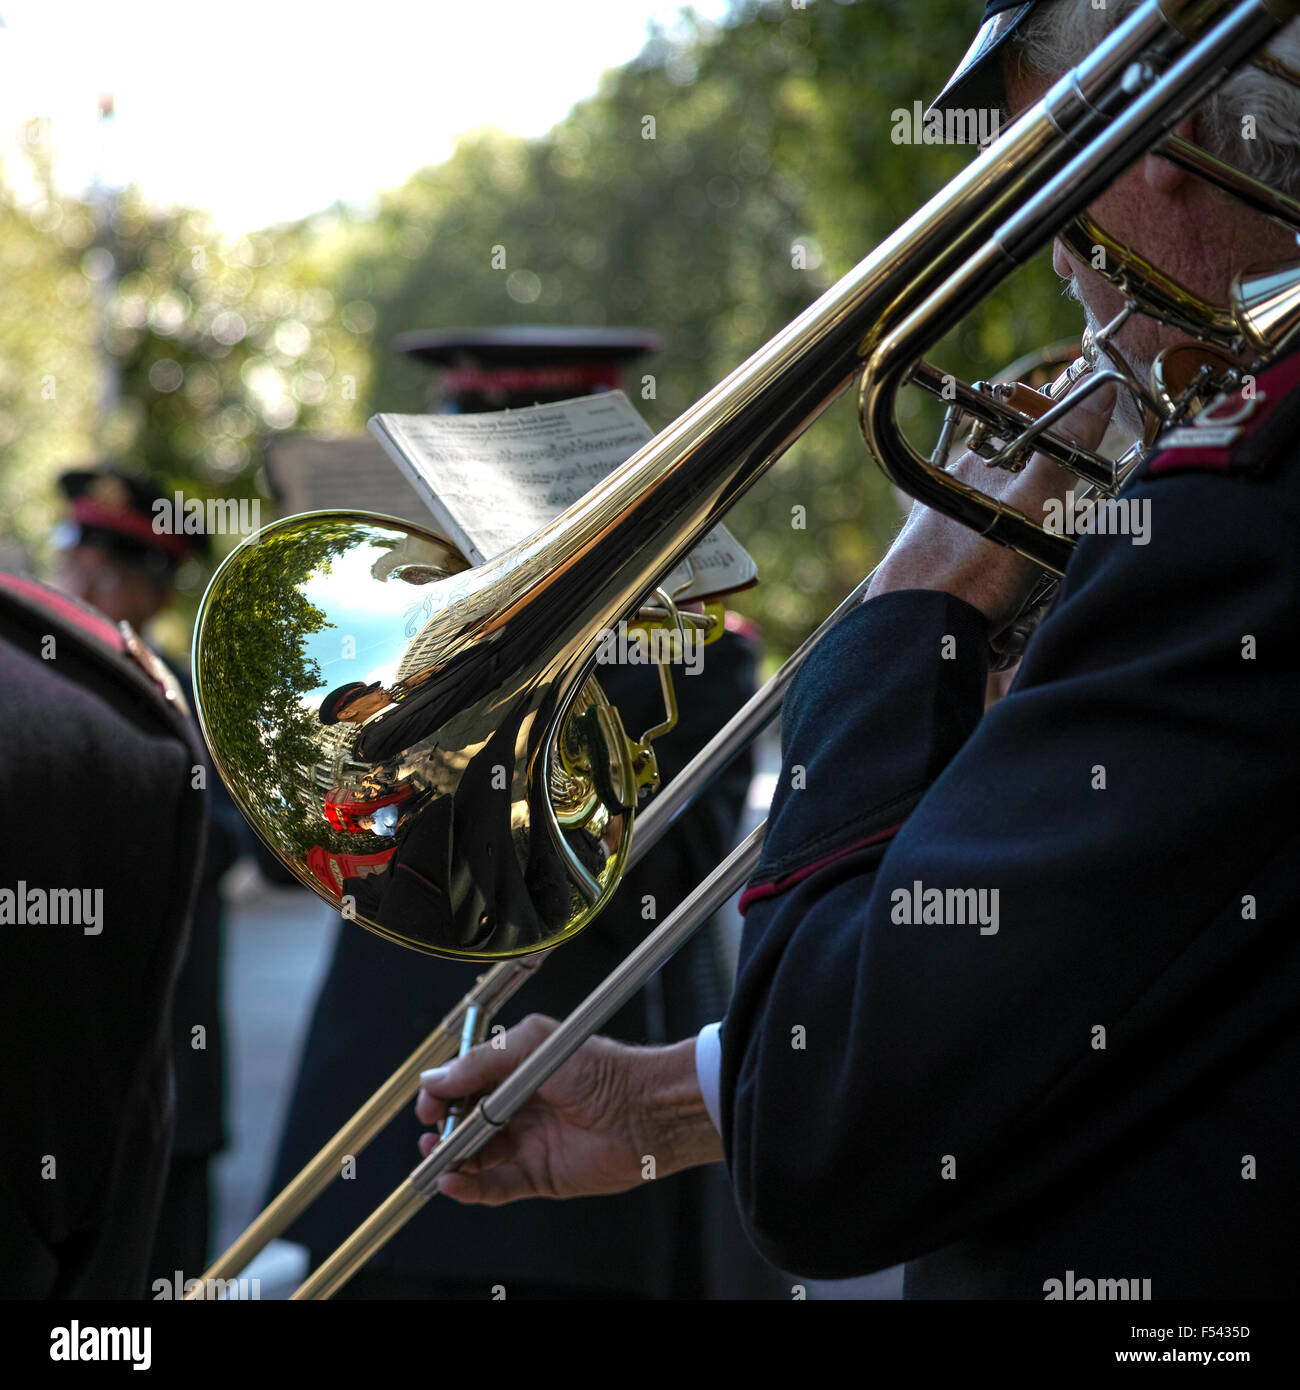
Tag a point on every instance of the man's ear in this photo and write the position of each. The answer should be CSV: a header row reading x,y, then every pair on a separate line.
x,y
1162,177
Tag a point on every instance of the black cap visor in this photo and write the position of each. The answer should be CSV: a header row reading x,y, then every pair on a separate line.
x,y
976,82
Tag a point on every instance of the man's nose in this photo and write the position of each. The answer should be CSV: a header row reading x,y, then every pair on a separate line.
x,y
1060,261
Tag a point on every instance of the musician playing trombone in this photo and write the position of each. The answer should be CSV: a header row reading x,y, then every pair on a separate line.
x,y
1017,990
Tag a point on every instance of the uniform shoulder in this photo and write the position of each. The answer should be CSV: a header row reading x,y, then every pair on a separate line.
x,y
1251,432
24,599
39,619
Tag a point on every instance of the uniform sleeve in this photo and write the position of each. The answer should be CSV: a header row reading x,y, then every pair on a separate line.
x,y
890,1084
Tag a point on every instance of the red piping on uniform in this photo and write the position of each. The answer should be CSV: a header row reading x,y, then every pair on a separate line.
x,y
71,612
757,891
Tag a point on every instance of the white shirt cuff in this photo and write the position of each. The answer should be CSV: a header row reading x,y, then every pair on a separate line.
x,y
708,1070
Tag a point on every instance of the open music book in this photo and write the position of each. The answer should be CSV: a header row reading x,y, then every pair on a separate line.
x,y
308,473
491,479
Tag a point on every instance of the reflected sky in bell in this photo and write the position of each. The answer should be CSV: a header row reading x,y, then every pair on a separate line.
x,y
372,618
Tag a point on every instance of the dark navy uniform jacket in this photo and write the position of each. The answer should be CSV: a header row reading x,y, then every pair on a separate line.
x,y
950,1101
200,1072
97,771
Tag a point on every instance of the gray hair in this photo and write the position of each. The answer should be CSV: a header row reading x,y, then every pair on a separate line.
x,y
1057,36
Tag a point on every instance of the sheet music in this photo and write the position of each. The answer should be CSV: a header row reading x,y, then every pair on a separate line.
x,y
492,479
310,473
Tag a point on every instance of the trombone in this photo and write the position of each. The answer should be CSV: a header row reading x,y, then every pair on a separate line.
x,y
501,683
493,988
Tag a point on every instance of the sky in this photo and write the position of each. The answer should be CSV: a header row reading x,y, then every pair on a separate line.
x,y
266,110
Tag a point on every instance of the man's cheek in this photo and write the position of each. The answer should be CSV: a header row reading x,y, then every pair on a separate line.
x,y
1093,290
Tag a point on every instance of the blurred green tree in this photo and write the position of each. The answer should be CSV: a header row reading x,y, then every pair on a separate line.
x,y
710,190
141,336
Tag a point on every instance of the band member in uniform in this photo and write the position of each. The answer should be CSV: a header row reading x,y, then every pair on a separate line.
x,y
673,1239
93,923
111,554
1040,963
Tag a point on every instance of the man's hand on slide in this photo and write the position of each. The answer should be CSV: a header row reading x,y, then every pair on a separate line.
x,y
592,1128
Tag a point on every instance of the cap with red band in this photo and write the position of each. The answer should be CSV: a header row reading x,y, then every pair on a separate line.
x,y
117,511
525,364
87,512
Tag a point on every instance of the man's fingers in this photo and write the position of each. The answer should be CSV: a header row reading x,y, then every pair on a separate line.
x,y
1086,423
488,1177
1084,426
479,1071
481,1068
492,1188
1044,479
430,1109
497,1150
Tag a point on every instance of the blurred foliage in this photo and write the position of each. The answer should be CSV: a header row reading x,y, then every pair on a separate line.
x,y
172,350
770,173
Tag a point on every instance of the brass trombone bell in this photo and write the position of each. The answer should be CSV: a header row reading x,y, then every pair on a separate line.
x,y
330,651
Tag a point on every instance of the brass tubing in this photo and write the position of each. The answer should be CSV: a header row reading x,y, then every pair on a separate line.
x,y
496,1109
1246,189
921,321
374,1231
491,990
